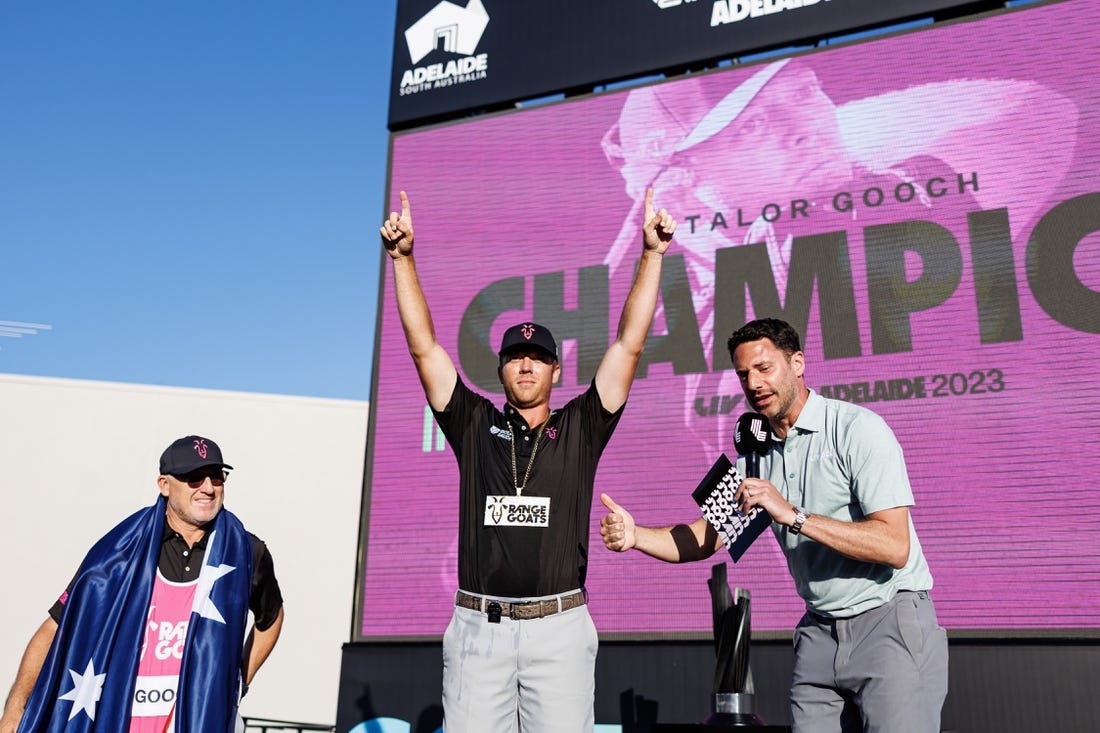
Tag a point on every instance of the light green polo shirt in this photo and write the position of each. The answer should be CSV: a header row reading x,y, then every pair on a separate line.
x,y
841,460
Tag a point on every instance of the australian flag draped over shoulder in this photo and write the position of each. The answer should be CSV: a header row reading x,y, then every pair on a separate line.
x,y
87,680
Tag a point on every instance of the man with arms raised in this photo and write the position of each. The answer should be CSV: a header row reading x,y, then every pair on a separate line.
x,y
521,647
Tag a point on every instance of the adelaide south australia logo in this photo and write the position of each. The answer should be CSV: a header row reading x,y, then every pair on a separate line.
x,y
448,28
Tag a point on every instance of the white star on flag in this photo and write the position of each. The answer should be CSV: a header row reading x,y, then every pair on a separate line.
x,y
86,690
209,575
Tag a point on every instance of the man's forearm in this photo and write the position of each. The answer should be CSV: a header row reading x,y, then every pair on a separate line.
x,y
677,543
882,537
433,365
616,372
641,303
260,645
29,667
412,306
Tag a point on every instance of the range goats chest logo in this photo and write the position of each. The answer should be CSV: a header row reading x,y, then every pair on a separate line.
x,y
452,29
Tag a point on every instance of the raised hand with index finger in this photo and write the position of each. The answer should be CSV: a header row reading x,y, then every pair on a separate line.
x,y
397,231
658,227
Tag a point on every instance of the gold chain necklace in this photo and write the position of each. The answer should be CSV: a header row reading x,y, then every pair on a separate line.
x,y
531,461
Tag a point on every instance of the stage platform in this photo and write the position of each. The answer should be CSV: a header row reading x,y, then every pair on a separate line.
x,y
996,686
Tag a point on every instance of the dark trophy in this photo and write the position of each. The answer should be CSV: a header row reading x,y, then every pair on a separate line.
x,y
733,691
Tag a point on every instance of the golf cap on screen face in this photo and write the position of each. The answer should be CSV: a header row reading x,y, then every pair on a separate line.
x,y
654,120
527,335
732,105
190,453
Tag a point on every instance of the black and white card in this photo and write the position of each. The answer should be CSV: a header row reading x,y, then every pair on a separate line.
x,y
715,496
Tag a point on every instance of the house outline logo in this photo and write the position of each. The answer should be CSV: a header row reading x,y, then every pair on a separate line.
x,y
460,29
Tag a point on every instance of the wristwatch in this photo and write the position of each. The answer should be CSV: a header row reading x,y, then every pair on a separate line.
x,y
800,515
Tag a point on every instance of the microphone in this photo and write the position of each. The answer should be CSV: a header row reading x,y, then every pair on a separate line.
x,y
752,437
715,494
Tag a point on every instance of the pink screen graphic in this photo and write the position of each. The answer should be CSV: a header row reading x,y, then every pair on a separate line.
x,y
925,208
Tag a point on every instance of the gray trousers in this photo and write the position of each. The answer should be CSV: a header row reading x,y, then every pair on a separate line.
x,y
883,671
534,676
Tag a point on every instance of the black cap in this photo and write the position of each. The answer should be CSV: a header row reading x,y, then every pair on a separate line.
x,y
526,335
189,454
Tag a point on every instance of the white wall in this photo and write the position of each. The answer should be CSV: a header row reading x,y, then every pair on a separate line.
x,y
76,457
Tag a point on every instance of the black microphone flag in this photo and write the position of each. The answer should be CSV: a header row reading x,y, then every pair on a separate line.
x,y
752,438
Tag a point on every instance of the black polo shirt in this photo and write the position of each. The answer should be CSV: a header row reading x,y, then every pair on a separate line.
x,y
522,562
179,563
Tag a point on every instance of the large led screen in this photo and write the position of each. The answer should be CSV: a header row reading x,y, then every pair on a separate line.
x,y
925,208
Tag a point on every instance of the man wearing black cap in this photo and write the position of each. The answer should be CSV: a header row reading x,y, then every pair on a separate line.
x,y
521,646
150,634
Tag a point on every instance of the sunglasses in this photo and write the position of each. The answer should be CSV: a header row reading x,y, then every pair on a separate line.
x,y
195,479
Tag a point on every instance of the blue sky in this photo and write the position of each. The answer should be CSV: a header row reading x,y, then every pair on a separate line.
x,y
191,191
